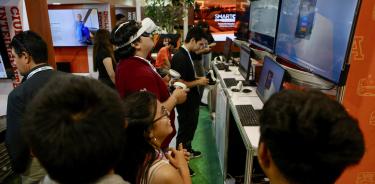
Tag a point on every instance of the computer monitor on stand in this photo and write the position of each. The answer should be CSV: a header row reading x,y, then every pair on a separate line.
x,y
270,80
245,67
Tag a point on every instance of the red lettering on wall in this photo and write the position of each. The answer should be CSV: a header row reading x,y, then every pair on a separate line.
x,y
100,20
14,10
3,15
3,19
16,23
105,20
16,18
6,37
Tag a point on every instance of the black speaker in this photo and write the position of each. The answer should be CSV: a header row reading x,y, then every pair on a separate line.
x,y
64,66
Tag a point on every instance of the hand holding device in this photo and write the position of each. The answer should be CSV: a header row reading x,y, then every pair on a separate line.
x,y
179,95
180,85
211,77
174,74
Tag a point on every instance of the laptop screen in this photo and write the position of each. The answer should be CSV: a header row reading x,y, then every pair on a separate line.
x,y
270,80
244,65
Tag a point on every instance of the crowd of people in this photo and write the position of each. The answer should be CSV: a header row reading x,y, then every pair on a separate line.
x,y
63,128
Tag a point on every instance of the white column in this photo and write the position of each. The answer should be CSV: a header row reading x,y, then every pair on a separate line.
x,y
138,5
186,21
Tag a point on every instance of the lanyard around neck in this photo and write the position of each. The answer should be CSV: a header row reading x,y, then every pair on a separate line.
x,y
191,60
149,63
38,70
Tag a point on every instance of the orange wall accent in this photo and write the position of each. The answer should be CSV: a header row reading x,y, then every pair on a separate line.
x,y
359,98
37,14
77,56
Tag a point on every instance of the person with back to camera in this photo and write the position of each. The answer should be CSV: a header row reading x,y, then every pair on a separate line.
x,y
148,125
134,72
307,138
104,60
188,112
76,130
30,54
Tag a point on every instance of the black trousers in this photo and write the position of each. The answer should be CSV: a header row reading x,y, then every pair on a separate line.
x,y
187,124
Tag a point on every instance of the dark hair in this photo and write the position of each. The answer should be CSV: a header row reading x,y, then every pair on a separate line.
x,y
311,137
119,16
119,36
102,43
75,129
196,33
173,42
140,110
31,43
203,24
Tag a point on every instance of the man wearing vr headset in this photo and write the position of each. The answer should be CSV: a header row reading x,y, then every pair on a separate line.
x,y
135,73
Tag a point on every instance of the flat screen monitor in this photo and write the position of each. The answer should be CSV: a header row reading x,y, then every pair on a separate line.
x,y
270,79
244,66
73,27
317,34
6,69
263,23
227,51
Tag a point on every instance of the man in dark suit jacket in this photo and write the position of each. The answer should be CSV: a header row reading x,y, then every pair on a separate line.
x,y
30,55
188,112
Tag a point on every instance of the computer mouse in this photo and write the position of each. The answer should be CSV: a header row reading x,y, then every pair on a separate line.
x,y
234,89
246,90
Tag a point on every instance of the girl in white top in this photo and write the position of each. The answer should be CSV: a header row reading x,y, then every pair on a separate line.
x,y
144,162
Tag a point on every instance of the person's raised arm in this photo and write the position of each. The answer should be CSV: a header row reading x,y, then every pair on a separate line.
x,y
200,81
177,97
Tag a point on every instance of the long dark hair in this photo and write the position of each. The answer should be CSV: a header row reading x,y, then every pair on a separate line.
x,y
102,43
140,110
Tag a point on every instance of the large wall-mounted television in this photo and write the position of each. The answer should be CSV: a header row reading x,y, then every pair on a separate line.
x,y
317,35
73,27
263,23
221,17
6,69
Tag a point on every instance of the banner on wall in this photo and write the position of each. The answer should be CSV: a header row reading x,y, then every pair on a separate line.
x,y
10,25
103,20
224,19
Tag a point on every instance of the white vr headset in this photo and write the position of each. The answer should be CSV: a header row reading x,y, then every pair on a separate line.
x,y
148,26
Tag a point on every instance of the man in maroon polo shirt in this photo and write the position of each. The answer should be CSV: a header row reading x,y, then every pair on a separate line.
x,y
135,73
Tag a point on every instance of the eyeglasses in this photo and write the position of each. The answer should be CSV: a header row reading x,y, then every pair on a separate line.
x,y
164,112
146,34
